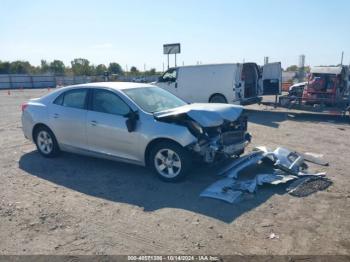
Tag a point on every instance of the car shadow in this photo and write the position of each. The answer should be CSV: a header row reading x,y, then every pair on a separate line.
x,y
274,118
135,185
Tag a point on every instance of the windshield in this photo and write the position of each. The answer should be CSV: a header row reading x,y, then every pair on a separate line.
x,y
153,99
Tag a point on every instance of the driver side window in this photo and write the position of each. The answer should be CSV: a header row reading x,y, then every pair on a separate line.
x,y
170,75
107,102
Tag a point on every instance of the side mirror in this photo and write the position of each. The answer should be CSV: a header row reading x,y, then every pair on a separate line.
x,y
132,120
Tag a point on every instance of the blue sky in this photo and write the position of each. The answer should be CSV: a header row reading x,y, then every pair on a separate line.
x,y
132,32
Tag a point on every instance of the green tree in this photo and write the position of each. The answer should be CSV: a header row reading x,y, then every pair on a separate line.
x,y
292,68
134,70
57,67
5,67
100,69
81,66
307,69
20,67
44,67
151,72
68,71
115,68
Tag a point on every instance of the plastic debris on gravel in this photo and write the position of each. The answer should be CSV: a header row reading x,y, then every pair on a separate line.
x,y
287,166
308,185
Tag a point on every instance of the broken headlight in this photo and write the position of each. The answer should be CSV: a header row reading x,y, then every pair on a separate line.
x,y
195,128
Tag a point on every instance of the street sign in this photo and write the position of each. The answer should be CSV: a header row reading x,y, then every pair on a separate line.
x,y
169,49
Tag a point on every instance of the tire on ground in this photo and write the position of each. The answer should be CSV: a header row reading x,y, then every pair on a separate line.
x,y
180,152
55,148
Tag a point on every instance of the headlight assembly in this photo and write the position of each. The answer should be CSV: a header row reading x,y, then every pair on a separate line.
x,y
195,127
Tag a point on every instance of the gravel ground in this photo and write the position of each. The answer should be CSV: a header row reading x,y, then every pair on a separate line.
x,y
80,205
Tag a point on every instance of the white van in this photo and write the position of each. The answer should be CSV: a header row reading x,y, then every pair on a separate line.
x,y
223,83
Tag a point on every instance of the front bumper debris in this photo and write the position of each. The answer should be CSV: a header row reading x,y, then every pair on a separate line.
x,y
208,150
287,166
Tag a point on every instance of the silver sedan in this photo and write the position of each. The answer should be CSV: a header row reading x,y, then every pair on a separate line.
x,y
135,123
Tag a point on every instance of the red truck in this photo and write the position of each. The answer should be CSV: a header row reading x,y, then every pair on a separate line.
x,y
326,85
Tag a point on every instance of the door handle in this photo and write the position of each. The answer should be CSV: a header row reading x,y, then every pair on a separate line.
x,y
56,115
93,123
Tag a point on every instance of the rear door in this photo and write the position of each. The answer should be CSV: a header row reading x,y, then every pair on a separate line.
x,y
238,84
67,118
271,79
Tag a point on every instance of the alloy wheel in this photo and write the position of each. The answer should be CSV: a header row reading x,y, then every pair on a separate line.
x,y
167,163
45,142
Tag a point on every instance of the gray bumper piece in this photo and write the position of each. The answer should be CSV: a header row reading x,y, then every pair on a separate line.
x,y
288,165
233,168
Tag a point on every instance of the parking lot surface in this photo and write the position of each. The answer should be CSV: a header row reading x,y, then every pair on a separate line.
x,y
80,205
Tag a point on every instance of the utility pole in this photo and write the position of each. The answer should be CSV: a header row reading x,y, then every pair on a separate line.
x,y
342,56
301,73
168,60
266,60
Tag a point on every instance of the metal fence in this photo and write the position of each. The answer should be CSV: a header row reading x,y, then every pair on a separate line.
x,y
41,81
14,81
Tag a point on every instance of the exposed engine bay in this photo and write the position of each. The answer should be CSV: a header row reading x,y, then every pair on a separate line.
x,y
220,129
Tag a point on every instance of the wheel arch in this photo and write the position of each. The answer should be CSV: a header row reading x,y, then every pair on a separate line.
x,y
36,127
153,143
217,94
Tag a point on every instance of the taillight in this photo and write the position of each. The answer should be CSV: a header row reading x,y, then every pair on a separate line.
x,y
24,106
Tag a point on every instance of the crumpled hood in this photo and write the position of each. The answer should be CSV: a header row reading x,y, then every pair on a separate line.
x,y
207,115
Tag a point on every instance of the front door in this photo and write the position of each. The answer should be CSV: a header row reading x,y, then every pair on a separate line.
x,y
106,128
168,81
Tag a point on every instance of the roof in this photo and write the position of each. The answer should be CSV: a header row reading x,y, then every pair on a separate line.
x,y
334,70
219,64
113,85
299,84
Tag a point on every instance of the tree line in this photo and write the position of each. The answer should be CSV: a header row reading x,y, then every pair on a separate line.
x,y
295,68
79,66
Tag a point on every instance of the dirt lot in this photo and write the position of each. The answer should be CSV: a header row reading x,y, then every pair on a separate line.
x,y
81,205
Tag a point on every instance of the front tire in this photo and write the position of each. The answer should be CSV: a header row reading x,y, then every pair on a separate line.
x,y
45,142
169,161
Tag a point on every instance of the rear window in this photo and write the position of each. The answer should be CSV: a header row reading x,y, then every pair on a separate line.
x,y
73,98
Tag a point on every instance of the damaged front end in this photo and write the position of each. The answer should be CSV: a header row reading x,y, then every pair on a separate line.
x,y
228,139
220,129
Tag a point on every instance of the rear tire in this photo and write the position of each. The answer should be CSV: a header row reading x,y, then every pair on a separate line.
x,y
170,161
46,142
218,98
